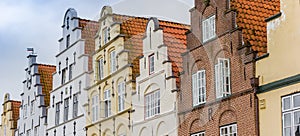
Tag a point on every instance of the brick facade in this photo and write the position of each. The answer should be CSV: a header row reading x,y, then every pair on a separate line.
x,y
240,106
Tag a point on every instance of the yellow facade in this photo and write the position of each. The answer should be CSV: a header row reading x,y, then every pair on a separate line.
x,y
279,71
9,116
118,122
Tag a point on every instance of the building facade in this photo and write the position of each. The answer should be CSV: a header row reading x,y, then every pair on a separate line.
x,y
279,75
154,102
73,64
217,95
37,85
118,43
9,117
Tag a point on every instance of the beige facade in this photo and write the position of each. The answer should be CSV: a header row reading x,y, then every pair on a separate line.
x,y
115,69
279,74
9,116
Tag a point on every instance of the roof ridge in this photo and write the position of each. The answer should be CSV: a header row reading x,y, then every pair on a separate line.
x,y
48,65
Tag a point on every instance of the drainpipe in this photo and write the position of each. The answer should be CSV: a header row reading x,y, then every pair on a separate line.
x,y
255,85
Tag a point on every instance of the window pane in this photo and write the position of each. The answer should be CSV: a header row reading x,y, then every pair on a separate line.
x,y
287,120
296,100
297,118
287,103
287,132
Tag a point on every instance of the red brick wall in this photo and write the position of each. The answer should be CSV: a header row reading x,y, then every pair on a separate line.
x,y
240,107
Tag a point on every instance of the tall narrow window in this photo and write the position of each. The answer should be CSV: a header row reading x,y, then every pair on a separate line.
x,y
291,115
32,108
107,102
105,35
68,41
57,112
199,88
63,76
152,104
222,78
228,130
95,113
100,68
75,105
113,62
66,109
71,71
4,126
151,64
208,28
36,132
121,96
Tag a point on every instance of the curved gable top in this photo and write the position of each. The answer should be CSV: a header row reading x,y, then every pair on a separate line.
x,y
152,23
71,12
6,97
105,10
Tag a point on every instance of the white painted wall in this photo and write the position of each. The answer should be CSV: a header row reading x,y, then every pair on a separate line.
x,y
164,123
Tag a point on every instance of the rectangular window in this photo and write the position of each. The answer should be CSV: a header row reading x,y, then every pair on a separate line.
x,y
36,132
105,34
113,62
152,103
107,102
66,109
199,88
208,28
100,68
75,105
222,78
121,96
229,130
25,110
291,115
57,112
28,132
151,64
198,134
63,76
68,41
95,109
32,108
71,71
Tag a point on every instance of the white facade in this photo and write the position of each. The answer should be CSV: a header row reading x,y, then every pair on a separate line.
x,y
155,84
33,116
66,112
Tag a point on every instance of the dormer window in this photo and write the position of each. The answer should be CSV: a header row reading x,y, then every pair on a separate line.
x,y
209,28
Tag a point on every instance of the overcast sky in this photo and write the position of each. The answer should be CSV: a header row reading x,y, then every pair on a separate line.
x,y
37,24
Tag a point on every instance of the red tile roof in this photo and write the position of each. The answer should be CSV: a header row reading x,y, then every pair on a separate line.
x,y
89,30
174,37
15,112
251,15
46,72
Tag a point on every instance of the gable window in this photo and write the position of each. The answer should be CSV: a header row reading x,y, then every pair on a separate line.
x,y
152,103
151,64
121,96
198,134
107,102
95,102
75,105
208,28
222,78
32,108
68,41
228,130
66,109
199,88
100,69
113,61
25,111
57,112
291,115
106,35
63,76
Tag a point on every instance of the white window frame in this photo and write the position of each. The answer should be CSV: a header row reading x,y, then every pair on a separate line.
x,y
100,68
199,134
57,112
66,109
107,103
228,130
292,110
32,107
121,96
209,28
152,104
113,61
75,105
95,110
105,35
222,78
199,87
151,64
